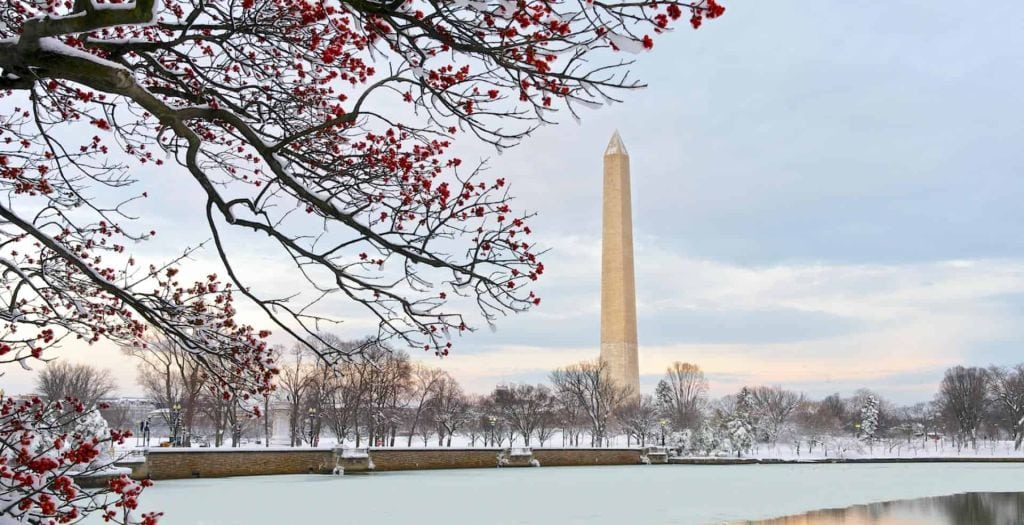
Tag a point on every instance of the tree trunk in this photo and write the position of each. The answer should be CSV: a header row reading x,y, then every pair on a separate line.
x,y
190,416
266,424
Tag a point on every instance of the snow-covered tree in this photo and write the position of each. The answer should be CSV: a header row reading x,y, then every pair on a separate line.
x,y
773,406
638,418
682,395
739,426
39,460
592,387
869,418
739,435
963,399
286,117
525,407
1008,394
707,441
450,407
681,440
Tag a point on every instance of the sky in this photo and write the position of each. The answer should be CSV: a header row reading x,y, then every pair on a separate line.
x,y
826,196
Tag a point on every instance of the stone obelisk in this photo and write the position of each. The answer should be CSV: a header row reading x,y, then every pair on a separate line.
x,y
618,290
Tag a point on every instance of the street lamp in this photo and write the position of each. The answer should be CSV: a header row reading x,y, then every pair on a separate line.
x,y
312,426
663,423
378,423
175,438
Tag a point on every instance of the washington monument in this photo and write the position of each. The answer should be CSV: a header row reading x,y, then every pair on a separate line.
x,y
618,290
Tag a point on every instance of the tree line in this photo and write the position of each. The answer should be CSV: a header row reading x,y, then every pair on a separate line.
x,y
381,397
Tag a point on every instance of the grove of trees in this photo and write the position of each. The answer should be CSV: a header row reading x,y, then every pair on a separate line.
x,y
383,398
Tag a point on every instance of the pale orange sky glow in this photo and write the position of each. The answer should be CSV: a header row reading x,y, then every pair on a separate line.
x,y
905,323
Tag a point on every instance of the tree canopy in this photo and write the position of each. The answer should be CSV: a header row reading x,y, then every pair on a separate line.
x,y
324,126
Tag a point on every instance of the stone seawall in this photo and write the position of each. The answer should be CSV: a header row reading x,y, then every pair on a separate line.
x,y
174,464
180,464
212,463
574,457
386,459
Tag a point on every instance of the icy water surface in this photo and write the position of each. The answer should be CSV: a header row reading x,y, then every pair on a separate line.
x,y
626,495
973,508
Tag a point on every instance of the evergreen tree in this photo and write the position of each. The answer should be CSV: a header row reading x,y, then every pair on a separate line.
x,y
740,436
706,441
869,418
739,427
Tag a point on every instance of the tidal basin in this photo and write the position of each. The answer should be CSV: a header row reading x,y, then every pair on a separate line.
x,y
655,494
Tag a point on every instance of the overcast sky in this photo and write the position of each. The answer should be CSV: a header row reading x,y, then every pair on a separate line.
x,y
826,196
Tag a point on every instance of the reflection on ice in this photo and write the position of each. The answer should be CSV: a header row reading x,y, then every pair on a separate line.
x,y
975,508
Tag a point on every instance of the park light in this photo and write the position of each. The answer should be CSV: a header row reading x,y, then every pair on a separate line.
x,y
175,436
312,426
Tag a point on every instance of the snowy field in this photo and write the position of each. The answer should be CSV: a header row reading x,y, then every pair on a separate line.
x,y
831,448
656,494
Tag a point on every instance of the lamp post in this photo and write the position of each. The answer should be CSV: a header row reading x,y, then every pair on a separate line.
x,y
175,439
663,423
378,423
312,426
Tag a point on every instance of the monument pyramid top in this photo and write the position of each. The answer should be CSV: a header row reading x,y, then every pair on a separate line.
x,y
615,146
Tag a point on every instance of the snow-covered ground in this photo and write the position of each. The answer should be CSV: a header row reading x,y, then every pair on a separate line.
x,y
832,448
850,447
675,494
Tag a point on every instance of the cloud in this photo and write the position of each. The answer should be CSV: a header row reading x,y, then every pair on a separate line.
x,y
812,326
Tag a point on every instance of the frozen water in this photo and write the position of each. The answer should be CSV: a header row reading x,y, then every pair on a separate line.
x,y
677,494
